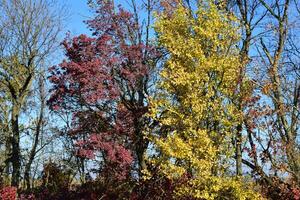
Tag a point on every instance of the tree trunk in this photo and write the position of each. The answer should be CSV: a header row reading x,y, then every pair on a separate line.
x,y
141,142
140,152
16,157
239,150
38,131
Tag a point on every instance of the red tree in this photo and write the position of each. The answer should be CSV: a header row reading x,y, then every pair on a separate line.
x,y
104,84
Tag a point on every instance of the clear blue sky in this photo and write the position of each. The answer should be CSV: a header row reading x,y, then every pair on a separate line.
x,y
79,11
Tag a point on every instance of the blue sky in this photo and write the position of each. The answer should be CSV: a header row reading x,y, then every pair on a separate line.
x,y
79,12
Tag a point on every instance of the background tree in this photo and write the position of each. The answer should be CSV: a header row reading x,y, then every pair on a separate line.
x,y
269,34
29,32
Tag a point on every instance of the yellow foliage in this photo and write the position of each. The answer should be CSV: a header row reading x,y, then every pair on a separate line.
x,y
198,80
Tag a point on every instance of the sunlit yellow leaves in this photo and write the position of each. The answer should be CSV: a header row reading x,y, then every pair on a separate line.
x,y
198,81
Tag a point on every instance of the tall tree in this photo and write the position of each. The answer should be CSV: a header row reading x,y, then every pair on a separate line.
x,y
195,111
105,83
29,31
269,105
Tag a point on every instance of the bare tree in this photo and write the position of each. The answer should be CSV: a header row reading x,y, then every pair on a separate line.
x,y
29,33
271,102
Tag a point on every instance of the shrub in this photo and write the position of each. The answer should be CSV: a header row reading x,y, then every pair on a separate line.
x,y
8,193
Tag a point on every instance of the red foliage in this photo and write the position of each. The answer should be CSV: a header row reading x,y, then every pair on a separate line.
x,y
99,83
27,197
281,190
159,187
8,193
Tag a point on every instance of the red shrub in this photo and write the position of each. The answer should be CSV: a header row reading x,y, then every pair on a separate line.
x,y
8,193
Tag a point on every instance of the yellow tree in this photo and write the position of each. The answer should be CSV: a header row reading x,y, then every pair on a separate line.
x,y
194,109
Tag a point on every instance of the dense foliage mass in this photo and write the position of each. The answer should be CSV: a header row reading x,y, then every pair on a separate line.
x,y
165,99
198,80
